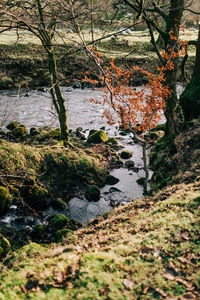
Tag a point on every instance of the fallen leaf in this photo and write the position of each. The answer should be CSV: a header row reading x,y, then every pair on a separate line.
x,y
185,236
161,292
59,277
187,296
183,259
145,290
185,283
168,276
129,284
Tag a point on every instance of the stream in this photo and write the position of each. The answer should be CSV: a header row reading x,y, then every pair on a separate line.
x,y
34,109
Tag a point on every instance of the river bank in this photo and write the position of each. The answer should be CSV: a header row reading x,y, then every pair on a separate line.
x,y
148,249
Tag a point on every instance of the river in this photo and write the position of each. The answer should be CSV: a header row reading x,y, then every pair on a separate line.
x,y
34,109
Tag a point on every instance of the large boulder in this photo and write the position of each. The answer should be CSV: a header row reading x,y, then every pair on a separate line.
x,y
97,137
5,199
4,246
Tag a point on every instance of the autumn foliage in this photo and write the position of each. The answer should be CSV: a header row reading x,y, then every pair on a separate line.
x,y
140,108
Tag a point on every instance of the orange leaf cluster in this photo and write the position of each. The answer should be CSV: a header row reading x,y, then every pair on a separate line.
x,y
142,108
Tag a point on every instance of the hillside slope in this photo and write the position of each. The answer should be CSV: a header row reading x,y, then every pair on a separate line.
x,y
148,249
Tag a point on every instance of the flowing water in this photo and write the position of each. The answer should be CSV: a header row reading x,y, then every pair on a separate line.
x,y
35,109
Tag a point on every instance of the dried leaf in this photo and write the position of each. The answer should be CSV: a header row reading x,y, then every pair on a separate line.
x,y
187,296
161,292
185,236
168,276
183,259
129,284
145,290
185,283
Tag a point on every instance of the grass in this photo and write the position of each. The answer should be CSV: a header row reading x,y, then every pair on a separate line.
x,y
52,166
148,249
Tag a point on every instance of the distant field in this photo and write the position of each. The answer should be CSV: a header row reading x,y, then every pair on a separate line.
x,y
135,36
134,45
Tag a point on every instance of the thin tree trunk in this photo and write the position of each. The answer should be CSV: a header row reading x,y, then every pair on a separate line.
x,y
57,98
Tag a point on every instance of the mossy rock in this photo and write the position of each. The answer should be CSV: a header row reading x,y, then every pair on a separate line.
x,y
59,221
112,141
126,154
79,129
123,133
59,203
50,134
39,231
141,181
130,164
4,246
6,82
92,131
35,196
34,131
111,180
93,193
97,137
12,125
62,234
5,199
19,131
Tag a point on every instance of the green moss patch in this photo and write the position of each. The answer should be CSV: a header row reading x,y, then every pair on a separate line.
x,y
97,137
5,199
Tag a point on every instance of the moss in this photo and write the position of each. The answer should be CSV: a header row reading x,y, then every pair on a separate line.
x,y
19,131
4,246
92,131
130,164
97,137
39,231
35,196
141,181
112,141
5,199
50,134
6,82
59,221
131,253
58,203
12,125
93,193
190,99
34,131
111,180
62,234
125,154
